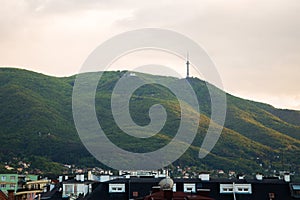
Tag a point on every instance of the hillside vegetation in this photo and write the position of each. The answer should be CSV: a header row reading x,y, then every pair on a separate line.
x,y
36,123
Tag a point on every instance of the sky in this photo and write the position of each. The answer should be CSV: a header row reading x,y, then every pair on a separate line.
x,y
255,44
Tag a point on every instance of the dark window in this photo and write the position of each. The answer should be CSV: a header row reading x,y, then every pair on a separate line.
x,y
271,196
135,194
297,192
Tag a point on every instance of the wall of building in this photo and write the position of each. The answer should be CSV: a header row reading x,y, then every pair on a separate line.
x,y
74,189
10,181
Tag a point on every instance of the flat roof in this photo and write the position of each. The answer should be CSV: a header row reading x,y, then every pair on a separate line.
x,y
196,180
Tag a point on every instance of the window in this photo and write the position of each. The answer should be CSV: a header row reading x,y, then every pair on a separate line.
x,y
295,190
12,185
237,188
271,195
243,188
189,187
226,188
12,178
295,187
3,178
68,188
135,194
2,186
116,187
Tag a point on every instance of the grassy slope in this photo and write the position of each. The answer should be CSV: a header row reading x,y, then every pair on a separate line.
x,y
33,105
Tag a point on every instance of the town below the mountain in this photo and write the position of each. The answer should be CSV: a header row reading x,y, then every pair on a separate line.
x,y
182,183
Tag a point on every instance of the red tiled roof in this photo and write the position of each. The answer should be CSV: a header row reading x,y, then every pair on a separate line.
x,y
3,196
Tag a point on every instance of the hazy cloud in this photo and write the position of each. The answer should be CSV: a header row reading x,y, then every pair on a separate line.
x,y
254,43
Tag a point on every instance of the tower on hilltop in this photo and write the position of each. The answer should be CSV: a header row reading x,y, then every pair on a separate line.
x,y
187,66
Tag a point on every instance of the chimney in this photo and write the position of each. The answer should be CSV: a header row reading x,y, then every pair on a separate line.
x,y
11,195
204,176
82,177
89,175
287,177
240,177
259,177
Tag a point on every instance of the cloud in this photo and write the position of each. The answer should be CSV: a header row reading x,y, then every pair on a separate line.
x,y
255,44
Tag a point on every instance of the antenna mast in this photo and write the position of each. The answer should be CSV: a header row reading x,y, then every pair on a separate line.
x,y
187,66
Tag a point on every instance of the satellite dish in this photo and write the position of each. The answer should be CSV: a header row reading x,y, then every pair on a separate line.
x,y
166,184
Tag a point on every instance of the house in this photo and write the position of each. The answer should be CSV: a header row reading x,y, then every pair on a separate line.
x,y
78,187
167,191
31,189
240,188
14,181
17,186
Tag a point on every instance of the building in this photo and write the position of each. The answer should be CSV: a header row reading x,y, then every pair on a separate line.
x,y
19,187
14,181
77,187
31,189
226,189
167,191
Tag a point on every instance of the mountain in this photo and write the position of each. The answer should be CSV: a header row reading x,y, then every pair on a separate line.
x,y
36,125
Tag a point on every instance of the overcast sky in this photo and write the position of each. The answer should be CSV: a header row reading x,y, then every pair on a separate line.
x,y
255,44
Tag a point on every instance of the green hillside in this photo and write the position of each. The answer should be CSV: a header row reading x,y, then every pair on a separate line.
x,y
36,124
